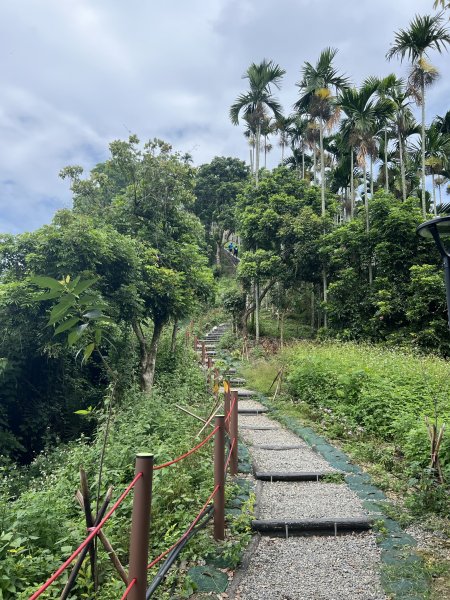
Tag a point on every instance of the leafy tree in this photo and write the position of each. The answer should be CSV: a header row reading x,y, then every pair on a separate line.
x,y
217,185
147,195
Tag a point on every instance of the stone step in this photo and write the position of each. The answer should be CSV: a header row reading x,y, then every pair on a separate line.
x,y
235,381
289,475
253,411
312,526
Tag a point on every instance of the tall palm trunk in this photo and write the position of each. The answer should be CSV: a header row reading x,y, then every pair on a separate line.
x,y
371,177
314,164
366,199
424,207
322,167
322,192
282,152
303,164
257,152
352,184
265,151
434,194
386,174
366,207
402,165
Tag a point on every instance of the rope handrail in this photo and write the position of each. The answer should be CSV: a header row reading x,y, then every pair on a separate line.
x,y
128,590
197,447
91,535
230,452
227,418
186,533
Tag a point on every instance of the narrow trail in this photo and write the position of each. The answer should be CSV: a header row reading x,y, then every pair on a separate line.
x,y
313,533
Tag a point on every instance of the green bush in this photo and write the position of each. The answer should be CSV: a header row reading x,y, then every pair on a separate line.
x,y
368,390
40,522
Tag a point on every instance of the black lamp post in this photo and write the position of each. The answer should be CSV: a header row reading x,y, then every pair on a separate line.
x,y
438,229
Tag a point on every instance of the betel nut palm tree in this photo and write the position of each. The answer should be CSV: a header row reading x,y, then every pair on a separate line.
x,y
259,100
316,97
424,34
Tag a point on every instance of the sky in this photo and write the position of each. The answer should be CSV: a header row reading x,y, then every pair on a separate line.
x,y
77,74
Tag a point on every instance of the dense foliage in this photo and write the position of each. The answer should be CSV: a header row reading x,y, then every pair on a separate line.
x,y
40,520
131,232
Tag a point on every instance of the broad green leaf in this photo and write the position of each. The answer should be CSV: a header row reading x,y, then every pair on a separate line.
x,y
75,335
47,296
61,309
98,336
81,412
88,351
93,314
46,282
83,285
67,325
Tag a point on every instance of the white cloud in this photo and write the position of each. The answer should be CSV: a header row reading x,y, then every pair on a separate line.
x,y
77,74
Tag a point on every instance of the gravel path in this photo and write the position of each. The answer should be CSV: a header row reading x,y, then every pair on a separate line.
x,y
289,461
251,404
274,437
258,421
295,500
316,568
305,568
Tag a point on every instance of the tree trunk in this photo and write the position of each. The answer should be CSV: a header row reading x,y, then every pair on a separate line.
x,y
424,207
265,151
303,164
148,354
366,199
386,174
371,177
325,294
257,312
434,194
402,165
218,264
282,152
257,151
352,184
314,165
322,167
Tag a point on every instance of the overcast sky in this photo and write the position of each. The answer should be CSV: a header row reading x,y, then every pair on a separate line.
x,y
76,74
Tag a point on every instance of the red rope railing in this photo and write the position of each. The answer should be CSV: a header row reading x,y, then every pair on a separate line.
x,y
186,533
95,530
230,452
128,590
175,460
227,418
92,534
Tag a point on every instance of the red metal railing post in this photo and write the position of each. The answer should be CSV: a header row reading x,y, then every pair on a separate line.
x,y
219,479
234,434
203,353
140,527
226,403
195,342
